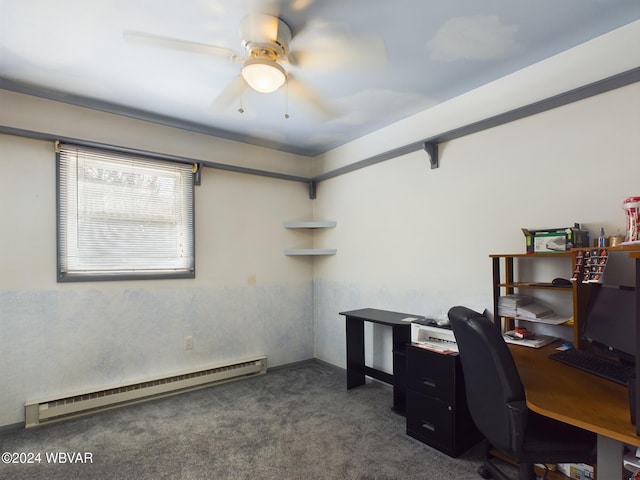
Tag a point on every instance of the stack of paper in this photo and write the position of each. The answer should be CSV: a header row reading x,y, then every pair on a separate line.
x,y
525,307
533,311
508,304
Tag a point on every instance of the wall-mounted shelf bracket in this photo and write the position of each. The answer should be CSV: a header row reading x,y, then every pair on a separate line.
x,y
432,150
313,185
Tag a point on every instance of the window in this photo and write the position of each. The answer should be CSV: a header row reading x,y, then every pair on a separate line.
x,y
122,216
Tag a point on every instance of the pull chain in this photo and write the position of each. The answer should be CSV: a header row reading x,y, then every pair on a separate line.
x,y
241,109
286,98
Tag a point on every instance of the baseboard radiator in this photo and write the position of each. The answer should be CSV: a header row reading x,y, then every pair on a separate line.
x,y
39,413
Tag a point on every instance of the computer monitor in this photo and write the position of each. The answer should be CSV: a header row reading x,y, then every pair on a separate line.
x,y
610,320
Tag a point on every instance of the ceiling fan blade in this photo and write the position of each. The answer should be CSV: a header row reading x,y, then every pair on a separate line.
x,y
274,7
300,90
229,94
324,47
300,5
158,41
266,7
260,28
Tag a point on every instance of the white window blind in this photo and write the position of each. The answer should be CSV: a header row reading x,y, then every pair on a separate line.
x,y
123,216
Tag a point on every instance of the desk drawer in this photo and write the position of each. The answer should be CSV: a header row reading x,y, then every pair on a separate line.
x,y
431,373
430,421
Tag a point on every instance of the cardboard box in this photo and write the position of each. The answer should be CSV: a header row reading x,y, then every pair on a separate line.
x,y
550,242
577,471
555,240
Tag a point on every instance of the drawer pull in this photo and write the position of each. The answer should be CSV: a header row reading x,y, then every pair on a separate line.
x,y
429,383
429,426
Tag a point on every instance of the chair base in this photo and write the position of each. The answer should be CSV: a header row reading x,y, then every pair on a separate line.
x,y
485,472
491,470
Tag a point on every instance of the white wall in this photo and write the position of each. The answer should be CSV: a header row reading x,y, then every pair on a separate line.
x,y
247,299
417,240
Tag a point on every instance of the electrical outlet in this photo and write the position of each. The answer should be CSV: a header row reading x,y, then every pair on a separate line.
x,y
188,343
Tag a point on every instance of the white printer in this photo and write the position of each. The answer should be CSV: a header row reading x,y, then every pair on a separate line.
x,y
433,335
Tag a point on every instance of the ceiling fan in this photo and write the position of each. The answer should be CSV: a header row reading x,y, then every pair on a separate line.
x,y
265,40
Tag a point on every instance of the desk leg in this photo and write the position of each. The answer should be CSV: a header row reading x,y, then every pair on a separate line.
x,y
610,454
355,352
401,337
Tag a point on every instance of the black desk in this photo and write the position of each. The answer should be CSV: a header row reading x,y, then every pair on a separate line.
x,y
356,368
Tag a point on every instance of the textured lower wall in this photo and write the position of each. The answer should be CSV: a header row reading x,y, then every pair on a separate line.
x,y
58,342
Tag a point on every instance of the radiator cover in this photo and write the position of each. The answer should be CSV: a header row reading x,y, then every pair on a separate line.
x,y
41,412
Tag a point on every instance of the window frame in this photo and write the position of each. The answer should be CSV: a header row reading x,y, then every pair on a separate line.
x,y
64,274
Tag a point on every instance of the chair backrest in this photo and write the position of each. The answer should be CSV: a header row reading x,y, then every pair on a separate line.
x,y
491,378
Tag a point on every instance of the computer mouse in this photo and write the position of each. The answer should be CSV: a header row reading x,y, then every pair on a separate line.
x,y
561,282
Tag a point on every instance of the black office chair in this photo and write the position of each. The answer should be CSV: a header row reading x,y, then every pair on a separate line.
x,y
497,403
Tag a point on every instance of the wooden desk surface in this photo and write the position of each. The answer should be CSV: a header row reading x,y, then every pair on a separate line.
x,y
572,396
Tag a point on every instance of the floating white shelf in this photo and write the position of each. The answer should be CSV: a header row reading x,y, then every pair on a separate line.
x,y
328,224
310,251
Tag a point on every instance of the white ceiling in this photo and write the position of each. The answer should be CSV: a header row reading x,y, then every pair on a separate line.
x,y
404,56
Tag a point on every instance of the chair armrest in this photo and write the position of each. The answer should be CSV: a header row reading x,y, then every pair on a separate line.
x,y
518,416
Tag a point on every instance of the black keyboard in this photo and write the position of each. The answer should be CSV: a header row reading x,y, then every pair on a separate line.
x,y
589,362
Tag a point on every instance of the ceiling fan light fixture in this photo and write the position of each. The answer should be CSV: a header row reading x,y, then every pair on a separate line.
x,y
263,75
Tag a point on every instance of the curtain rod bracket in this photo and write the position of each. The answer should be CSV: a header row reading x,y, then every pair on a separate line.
x,y
196,168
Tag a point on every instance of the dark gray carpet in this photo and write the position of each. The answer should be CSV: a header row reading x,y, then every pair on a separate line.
x,y
297,422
